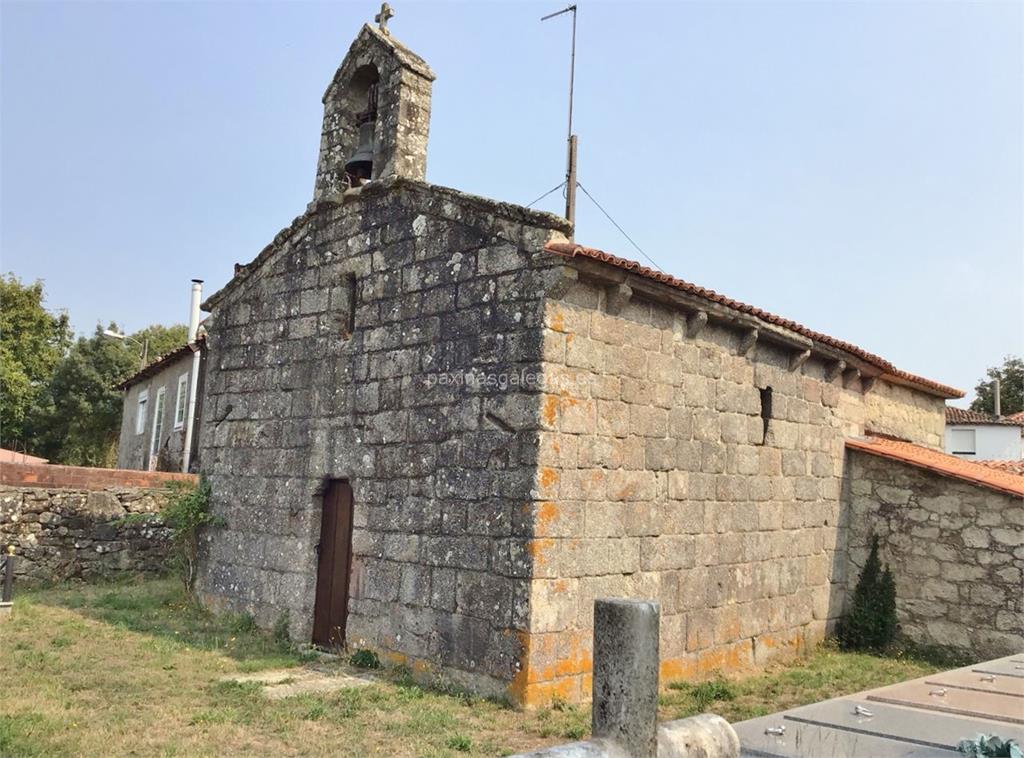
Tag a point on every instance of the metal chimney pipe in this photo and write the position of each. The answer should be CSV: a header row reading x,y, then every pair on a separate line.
x,y
998,400
193,313
193,384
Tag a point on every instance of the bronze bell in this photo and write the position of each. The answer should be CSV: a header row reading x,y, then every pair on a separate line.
x,y
360,165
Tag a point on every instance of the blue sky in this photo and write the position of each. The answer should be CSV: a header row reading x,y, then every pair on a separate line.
x,y
854,166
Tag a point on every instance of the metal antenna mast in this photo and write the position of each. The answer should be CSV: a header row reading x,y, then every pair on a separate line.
x,y
570,171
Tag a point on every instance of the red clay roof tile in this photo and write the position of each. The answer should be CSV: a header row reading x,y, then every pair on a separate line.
x,y
1014,467
961,416
570,250
940,463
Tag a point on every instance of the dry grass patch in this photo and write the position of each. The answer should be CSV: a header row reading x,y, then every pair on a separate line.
x,y
824,674
134,669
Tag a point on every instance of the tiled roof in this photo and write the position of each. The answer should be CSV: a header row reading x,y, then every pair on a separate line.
x,y
1014,467
157,364
961,416
940,463
570,249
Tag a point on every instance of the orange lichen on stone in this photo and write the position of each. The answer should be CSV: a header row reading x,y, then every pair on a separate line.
x,y
537,548
546,514
549,411
675,669
792,643
734,657
544,693
548,477
556,318
396,659
420,666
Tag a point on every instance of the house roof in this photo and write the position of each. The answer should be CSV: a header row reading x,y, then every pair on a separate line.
x,y
888,370
1014,467
961,416
940,463
158,364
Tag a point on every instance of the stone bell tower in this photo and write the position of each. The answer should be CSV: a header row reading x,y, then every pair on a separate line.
x,y
376,113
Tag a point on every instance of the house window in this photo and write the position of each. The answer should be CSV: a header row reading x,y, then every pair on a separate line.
x,y
140,412
181,401
962,441
158,428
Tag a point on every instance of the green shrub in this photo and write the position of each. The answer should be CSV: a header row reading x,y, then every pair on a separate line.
x,y
870,622
365,659
187,512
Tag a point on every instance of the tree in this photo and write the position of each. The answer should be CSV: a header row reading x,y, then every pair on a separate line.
x,y
1011,390
162,339
32,343
78,418
870,623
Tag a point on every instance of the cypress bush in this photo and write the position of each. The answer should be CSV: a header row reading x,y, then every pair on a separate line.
x,y
870,621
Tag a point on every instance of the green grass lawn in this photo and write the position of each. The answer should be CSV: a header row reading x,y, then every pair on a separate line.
x,y
132,668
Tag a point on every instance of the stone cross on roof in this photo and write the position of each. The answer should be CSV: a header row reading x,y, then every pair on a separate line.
x,y
382,17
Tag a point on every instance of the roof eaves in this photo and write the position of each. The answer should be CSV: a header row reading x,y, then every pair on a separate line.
x,y
887,370
160,362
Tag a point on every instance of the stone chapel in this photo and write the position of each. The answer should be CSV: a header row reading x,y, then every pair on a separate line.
x,y
437,428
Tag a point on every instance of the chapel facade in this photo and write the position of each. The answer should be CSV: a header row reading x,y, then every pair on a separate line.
x,y
437,428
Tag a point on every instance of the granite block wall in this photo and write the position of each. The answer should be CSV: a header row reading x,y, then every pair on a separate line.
x,y
956,551
388,338
656,479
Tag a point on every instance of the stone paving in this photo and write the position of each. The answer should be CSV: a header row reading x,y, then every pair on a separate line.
x,y
282,683
915,719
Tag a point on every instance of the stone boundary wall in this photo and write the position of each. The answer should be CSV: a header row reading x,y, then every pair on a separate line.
x,y
62,533
80,477
956,551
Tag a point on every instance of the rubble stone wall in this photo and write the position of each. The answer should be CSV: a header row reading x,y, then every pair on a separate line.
x,y
425,407
956,551
656,480
83,533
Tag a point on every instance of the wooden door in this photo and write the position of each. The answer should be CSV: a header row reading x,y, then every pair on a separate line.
x,y
333,566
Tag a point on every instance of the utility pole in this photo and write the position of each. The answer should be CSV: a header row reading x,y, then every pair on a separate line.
x,y
571,142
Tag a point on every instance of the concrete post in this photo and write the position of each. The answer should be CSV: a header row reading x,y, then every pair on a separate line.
x,y
626,675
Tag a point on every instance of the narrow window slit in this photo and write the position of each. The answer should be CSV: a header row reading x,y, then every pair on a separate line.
x,y
766,411
350,306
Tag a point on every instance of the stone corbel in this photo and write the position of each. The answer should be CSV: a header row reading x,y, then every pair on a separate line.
x,y
696,322
748,341
849,377
834,369
618,297
798,360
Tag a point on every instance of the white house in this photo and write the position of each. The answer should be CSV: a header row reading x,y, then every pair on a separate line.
x,y
979,436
